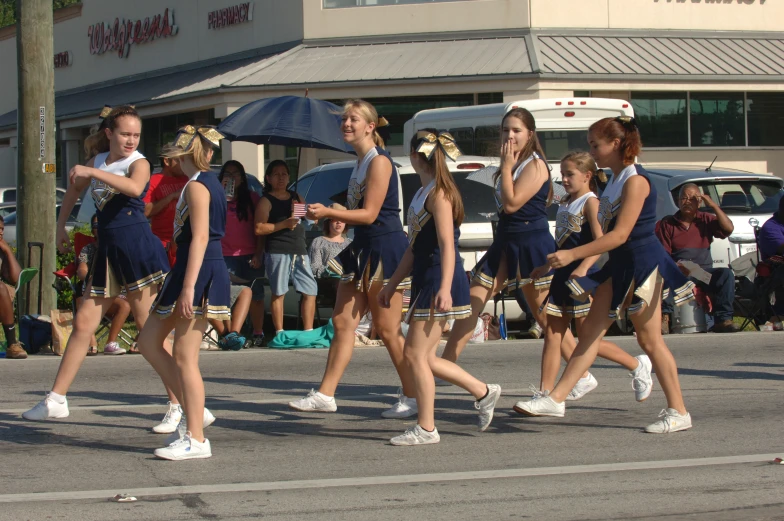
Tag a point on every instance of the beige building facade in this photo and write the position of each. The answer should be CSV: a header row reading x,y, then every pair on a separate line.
x,y
704,76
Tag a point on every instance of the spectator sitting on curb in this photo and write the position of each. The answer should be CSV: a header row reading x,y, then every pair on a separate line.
x,y
9,272
687,236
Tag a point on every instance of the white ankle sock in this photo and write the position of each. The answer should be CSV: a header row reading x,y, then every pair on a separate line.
x,y
325,397
59,398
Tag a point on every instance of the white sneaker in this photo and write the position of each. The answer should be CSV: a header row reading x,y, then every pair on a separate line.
x,y
671,421
642,382
47,409
583,386
113,348
542,405
185,448
416,435
182,426
170,421
486,406
535,331
404,408
314,402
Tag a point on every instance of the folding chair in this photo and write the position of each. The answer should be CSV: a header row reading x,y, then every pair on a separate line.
x,y
25,276
64,279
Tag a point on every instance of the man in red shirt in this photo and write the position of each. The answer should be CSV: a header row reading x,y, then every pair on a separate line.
x,y
161,201
687,235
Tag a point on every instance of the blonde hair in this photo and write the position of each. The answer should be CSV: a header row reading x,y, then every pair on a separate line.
x,y
97,142
586,164
368,113
197,149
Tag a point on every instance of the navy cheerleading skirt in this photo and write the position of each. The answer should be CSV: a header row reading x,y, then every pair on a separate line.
x,y
212,292
524,252
426,281
560,302
126,258
636,268
371,259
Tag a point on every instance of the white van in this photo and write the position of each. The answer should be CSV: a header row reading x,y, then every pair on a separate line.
x,y
561,124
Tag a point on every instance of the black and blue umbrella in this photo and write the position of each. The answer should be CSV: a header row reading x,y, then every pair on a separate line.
x,y
292,121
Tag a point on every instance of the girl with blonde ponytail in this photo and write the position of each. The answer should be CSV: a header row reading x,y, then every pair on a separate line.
x,y
367,264
196,290
439,286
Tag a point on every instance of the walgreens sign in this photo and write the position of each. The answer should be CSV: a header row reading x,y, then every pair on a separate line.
x,y
120,35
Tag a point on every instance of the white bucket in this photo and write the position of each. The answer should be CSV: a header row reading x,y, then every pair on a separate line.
x,y
689,318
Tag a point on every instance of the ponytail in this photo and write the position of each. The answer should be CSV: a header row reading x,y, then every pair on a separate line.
x,y
625,130
444,182
98,142
370,115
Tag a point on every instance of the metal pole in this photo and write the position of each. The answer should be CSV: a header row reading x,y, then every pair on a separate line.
x,y
36,203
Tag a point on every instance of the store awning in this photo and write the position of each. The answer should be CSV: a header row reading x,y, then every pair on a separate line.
x,y
553,54
662,55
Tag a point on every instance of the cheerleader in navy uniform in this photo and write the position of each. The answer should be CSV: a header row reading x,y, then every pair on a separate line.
x,y
129,258
522,240
196,290
439,290
636,277
577,223
367,264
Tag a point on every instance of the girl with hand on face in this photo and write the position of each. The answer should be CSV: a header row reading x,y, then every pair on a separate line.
x,y
439,286
196,290
577,223
128,256
635,277
523,190
367,264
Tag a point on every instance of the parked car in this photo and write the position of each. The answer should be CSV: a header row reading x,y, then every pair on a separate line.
x,y
745,197
10,223
8,195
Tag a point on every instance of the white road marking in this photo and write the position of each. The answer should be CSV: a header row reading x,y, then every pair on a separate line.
x,y
262,486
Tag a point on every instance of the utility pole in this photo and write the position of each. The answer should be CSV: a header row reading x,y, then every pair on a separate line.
x,y
35,178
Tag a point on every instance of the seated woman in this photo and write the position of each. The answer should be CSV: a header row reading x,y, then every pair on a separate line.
x,y
118,312
326,247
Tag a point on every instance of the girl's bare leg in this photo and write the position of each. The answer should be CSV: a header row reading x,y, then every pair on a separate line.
x,y
552,350
187,340
647,324
585,353
151,346
463,329
349,306
387,325
140,302
86,322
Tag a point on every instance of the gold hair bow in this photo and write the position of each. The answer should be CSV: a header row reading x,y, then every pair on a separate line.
x,y
429,141
382,122
186,135
107,109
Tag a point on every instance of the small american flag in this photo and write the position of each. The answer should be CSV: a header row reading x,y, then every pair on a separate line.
x,y
300,209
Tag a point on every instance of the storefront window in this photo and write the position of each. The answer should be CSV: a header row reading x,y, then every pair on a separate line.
x,y
765,118
717,119
336,4
486,98
661,117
